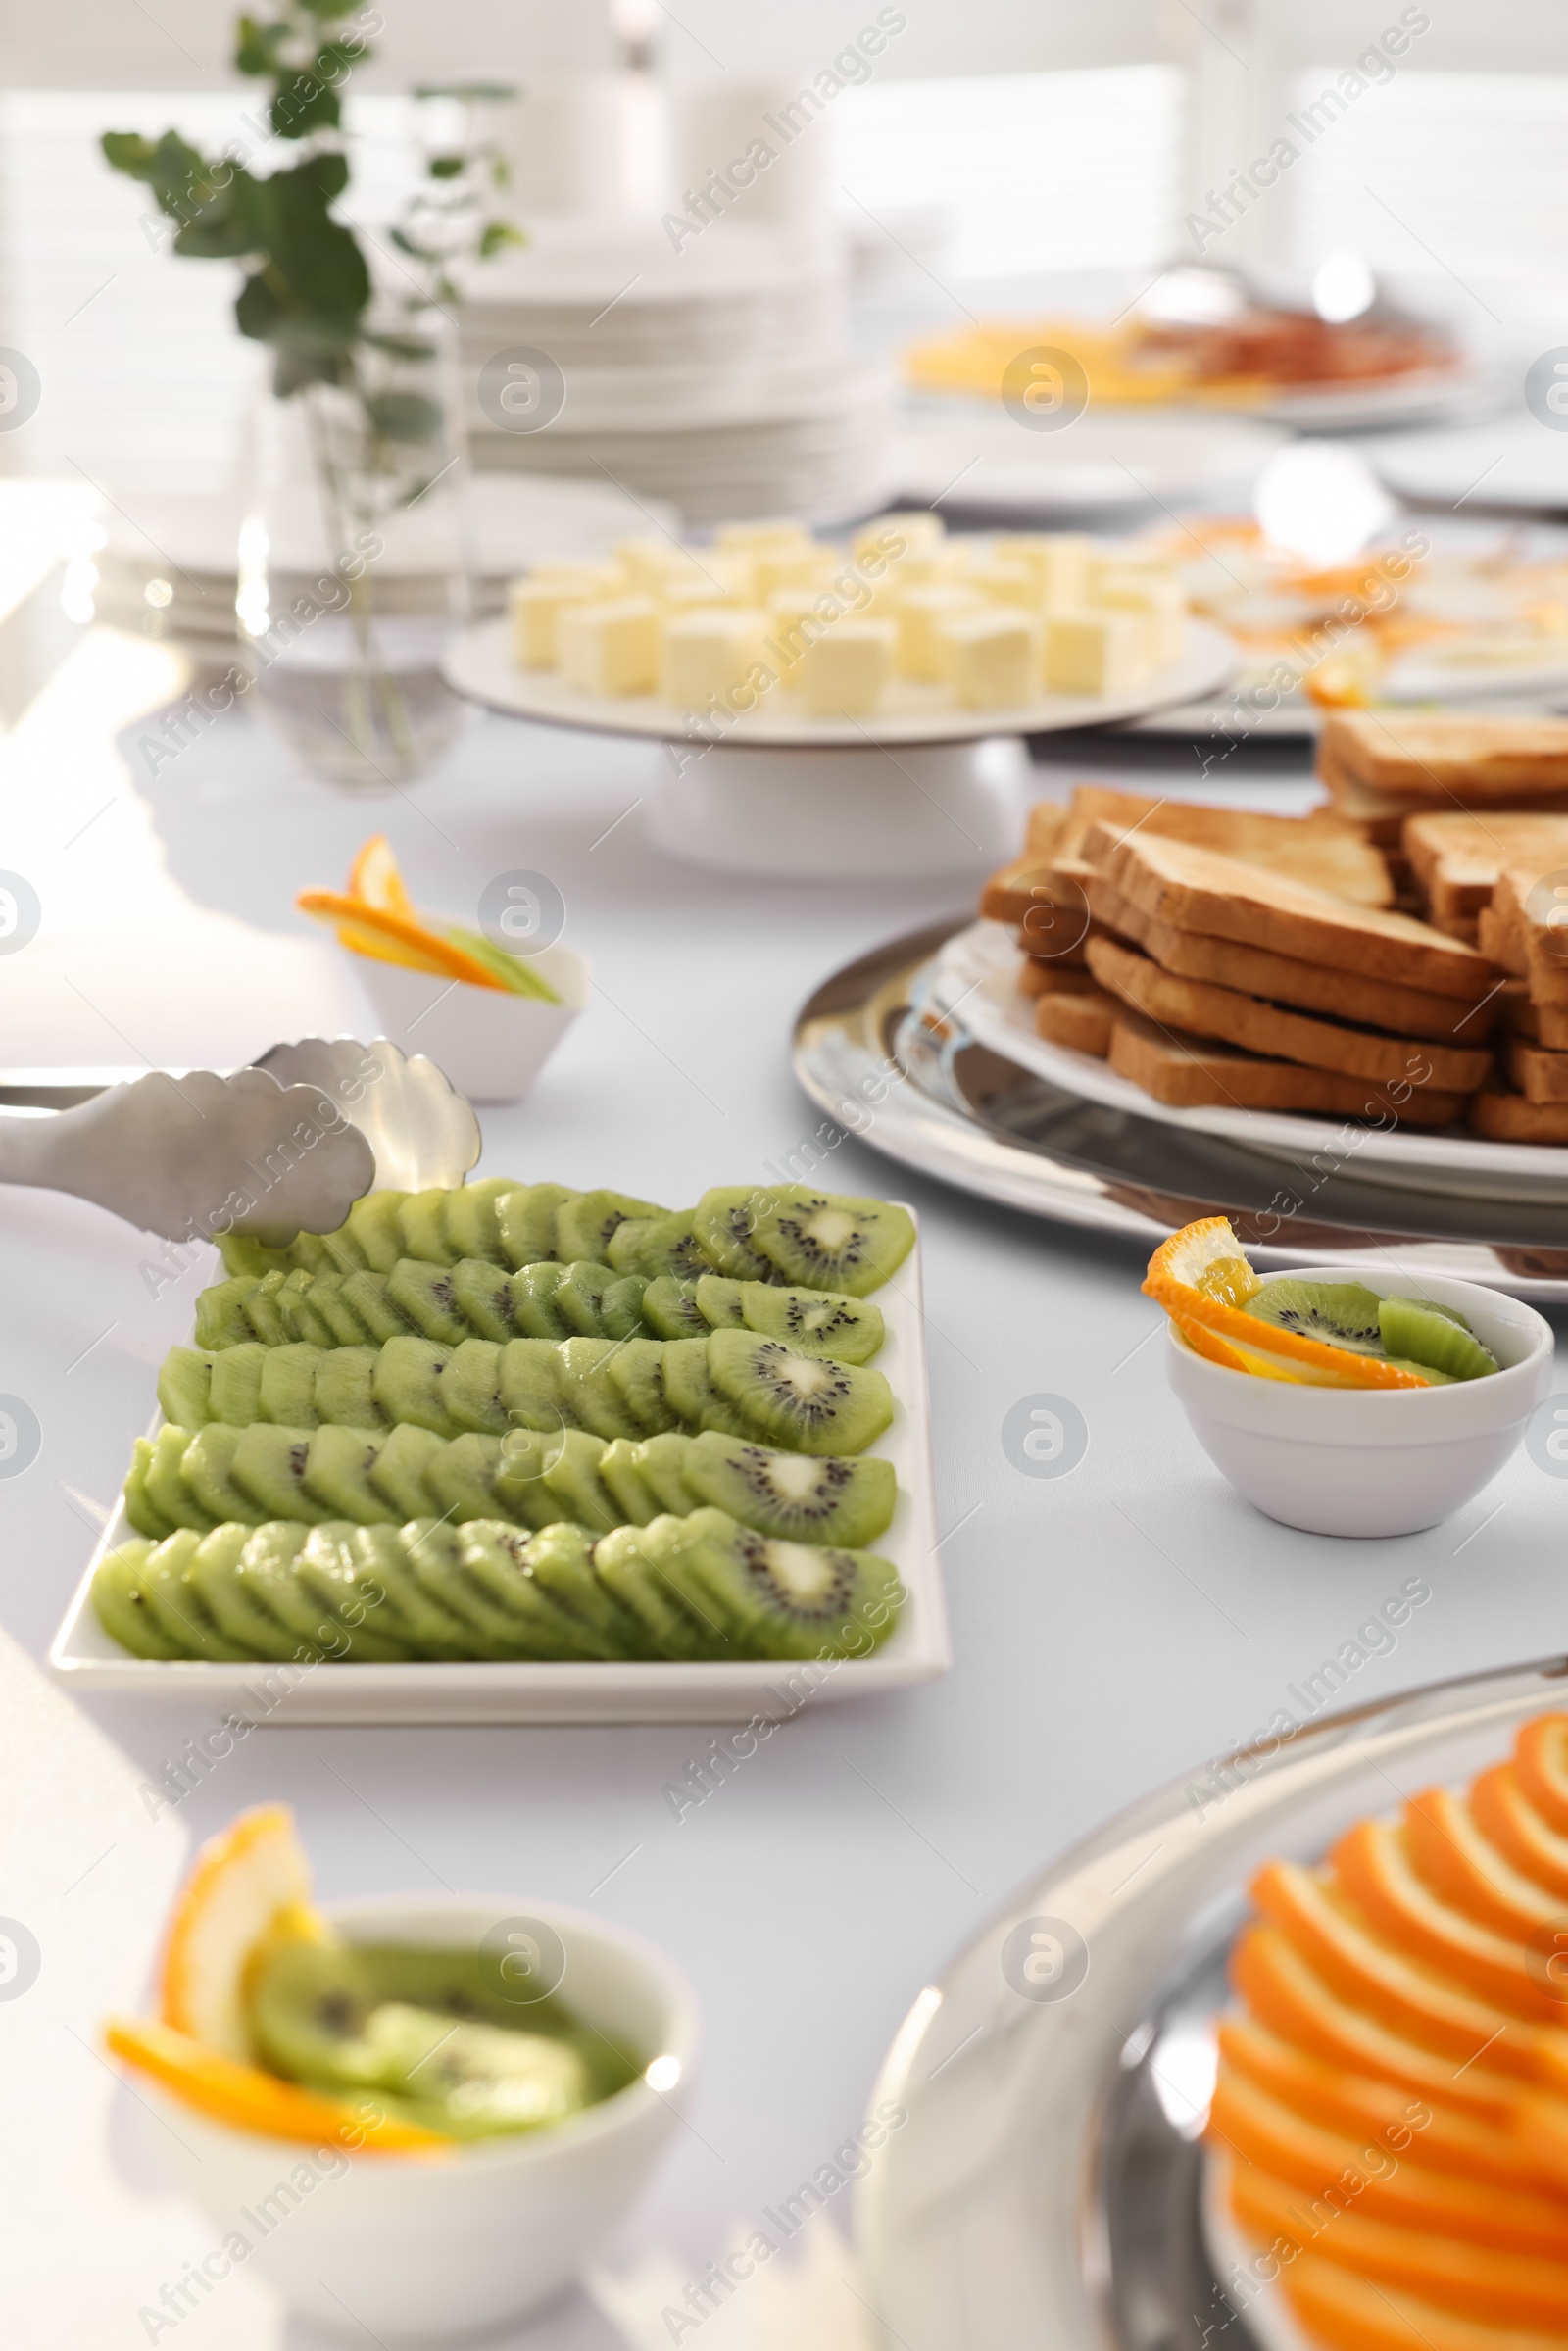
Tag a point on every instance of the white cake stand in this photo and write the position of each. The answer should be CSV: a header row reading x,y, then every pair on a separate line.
x,y
923,786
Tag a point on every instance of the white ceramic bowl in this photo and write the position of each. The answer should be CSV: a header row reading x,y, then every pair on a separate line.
x,y
1364,1461
405,2249
491,1044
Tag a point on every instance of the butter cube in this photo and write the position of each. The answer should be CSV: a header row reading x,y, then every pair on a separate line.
x,y
752,538
845,670
793,623
920,534
1095,653
648,562
1006,583
1060,561
1159,600
536,605
716,655
991,657
694,595
612,648
919,617
785,569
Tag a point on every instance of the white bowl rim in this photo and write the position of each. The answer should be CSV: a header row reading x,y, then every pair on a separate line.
x,y
620,2112
1513,1312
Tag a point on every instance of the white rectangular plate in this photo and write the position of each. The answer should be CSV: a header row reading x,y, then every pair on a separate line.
x,y
920,1650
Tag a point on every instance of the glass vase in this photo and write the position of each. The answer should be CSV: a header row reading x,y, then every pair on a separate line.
x,y
352,563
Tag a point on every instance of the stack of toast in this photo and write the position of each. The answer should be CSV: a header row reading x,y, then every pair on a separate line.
x,y
1255,962
1382,767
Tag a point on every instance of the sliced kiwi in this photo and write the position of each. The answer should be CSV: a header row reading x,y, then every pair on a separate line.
x,y
670,1309
813,1322
533,1302
410,1384
530,1385
400,1472
236,1392
1425,1372
830,1241
691,1394
661,1464
374,1226
351,1596
185,1385
471,1389
344,1387
652,1246
298,1306
263,1312
208,1469
472,1218
483,1297
437,1555
268,1570
781,1599
139,1509
571,1475
364,1295
502,1562
166,1490
724,1223
268,1465
595,1302
636,1370
178,1608
426,1295
721,1303
589,1394
525,1221
379,1559
621,1473
121,1604
460,1478
520,1491
337,1470
221,1316
288,1384
1338,1313
243,1253
560,1564
793,1496
807,1403
633,1564
1427,1337
215,1573
422,1222
586,1223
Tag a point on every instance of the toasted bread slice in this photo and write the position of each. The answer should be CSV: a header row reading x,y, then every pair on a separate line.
x,y
1466,928
1380,815
1043,831
1043,975
1321,849
1533,911
1437,757
1084,1023
1541,1075
1501,940
1197,891
1189,1072
1457,858
1283,980
1541,1024
1511,1119
1009,894
1199,1009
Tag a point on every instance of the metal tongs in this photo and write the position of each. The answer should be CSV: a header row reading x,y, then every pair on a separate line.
x,y
283,1147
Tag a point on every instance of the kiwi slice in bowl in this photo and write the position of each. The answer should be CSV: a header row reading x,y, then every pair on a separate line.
x,y
779,1599
797,1498
807,1403
830,1241
1337,1313
1430,1337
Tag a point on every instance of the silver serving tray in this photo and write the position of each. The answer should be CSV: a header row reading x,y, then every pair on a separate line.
x,y
958,1111
1046,2191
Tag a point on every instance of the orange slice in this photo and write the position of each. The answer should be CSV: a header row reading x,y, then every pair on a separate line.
x,y
1348,2313
247,2099
1540,1765
1414,2001
248,1883
1361,2105
1295,2003
1200,1275
375,878
1374,1869
1452,1856
1473,2281
375,931
1511,1822
1390,2184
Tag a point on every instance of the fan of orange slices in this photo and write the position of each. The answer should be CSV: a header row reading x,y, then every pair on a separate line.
x,y
250,1886
375,916
1202,1278
1391,2105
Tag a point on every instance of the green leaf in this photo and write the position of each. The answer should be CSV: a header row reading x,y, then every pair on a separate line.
x,y
496,237
257,48
303,105
129,151
446,166
404,416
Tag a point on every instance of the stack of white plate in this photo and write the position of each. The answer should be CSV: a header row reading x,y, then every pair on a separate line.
x,y
170,564
714,375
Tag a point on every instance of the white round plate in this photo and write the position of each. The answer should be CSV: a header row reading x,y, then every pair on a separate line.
x,y
979,970
1362,407
1508,461
972,454
480,663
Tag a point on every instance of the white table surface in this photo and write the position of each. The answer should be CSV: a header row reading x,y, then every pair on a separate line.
x,y
1114,1627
